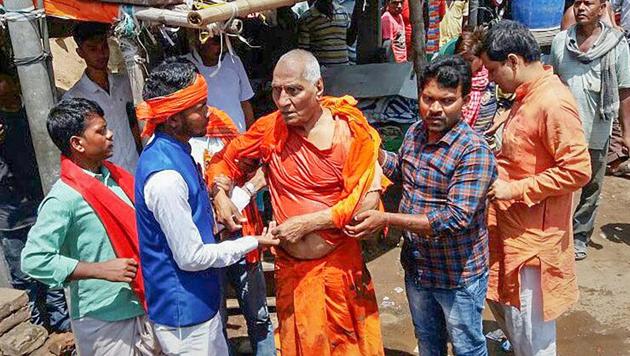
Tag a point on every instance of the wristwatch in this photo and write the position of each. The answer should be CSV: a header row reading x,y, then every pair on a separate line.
x,y
250,189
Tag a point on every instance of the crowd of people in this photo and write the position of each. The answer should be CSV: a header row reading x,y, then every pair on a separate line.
x,y
148,224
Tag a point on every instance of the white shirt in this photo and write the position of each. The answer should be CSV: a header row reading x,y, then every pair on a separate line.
x,y
166,196
199,144
114,105
227,87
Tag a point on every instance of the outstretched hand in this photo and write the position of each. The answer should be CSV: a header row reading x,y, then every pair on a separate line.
x,y
267,238
227,213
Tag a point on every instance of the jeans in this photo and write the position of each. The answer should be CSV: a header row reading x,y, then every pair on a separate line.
x,y
440,315
586,211
248,281
48,306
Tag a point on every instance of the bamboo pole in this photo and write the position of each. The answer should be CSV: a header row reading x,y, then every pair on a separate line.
x,y
225,11
163,16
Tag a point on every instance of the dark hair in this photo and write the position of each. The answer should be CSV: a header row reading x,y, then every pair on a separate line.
x,y
508,37
449,72
326,7
68,118
84,31
470,42
168,77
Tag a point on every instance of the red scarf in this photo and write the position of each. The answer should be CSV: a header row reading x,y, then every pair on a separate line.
x,y
470,111
118,217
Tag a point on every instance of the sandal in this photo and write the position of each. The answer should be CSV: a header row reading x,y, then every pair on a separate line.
x,y
580,255
580,252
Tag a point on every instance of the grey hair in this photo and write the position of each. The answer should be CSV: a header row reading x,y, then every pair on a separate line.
x,y
312,72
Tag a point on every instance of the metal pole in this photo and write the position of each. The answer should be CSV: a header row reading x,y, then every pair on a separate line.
x,y
416,8
35,83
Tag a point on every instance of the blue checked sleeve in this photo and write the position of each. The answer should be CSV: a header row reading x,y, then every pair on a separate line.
x,y
467,192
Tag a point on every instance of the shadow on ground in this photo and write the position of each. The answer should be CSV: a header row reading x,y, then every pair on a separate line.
x,y
617,233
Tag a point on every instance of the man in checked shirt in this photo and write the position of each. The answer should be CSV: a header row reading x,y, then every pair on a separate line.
x,y
446,170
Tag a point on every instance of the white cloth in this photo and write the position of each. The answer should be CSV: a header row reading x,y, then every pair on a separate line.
x,y
114,105
197,340
133,337
526,329
227,87
200,144
166,196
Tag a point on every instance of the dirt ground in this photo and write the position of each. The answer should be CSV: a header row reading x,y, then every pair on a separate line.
x,y
599,324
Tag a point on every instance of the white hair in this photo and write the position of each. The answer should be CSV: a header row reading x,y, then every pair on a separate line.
x,y
312,72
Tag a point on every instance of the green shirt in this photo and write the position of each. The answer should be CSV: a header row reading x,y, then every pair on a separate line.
x,y
68,231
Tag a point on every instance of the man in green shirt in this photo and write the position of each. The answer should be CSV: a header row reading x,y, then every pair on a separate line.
x,y
84,223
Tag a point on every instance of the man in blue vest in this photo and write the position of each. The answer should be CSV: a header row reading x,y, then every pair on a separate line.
x,y
178,251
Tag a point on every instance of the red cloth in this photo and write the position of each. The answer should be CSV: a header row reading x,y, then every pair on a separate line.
x,y
118,217
470,111
408,29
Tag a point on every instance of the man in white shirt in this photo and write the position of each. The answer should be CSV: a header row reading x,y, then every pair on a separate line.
x,y
112,92
228,85
178,251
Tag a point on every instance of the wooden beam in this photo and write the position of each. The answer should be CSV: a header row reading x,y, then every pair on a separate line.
x,y
225,11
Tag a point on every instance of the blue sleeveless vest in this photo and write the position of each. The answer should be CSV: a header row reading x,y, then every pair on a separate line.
x,y
175,298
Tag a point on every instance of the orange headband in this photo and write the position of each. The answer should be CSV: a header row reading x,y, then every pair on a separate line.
x,y
157,110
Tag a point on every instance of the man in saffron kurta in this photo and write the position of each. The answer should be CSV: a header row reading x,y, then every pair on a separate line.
x,y
320,158
543,160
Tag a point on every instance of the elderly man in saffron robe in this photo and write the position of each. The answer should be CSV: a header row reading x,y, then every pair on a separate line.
x,y
320,158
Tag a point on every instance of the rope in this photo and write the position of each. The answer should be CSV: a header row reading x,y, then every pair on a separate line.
x,y
29,14
31,60
25,15
127,32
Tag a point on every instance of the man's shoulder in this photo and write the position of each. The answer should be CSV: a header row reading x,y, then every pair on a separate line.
x,y
554,92
120,77
232,60
75,91
558,42
470,140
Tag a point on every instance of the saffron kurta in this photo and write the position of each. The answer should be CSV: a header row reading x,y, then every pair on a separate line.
x,y
545,158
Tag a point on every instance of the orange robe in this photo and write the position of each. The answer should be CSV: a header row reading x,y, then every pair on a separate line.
x,y
325,306
545,158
